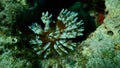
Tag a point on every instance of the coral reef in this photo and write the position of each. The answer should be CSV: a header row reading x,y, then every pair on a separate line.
x,y
19,49
55,37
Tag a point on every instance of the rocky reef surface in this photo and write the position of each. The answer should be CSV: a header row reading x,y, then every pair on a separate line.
x,y
101,49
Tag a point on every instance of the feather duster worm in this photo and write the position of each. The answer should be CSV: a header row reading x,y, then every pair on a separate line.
x,y
54,36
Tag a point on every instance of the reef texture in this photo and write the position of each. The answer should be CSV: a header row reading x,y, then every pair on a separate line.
x,y
9,13
100,50
7,60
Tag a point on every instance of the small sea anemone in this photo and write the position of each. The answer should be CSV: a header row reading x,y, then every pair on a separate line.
x,y
55,36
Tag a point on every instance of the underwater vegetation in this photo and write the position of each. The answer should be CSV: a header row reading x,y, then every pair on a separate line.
x,y
56,35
